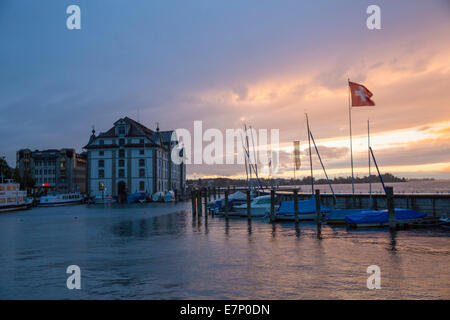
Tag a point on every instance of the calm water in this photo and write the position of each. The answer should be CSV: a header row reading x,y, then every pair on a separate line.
x,y
158,251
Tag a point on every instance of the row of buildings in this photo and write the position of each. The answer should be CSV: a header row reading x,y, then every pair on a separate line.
x,y
127,158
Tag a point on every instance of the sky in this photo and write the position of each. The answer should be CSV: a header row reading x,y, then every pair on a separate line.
x,y
263,63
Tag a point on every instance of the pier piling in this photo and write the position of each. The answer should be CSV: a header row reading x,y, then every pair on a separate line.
x,y
296,205
199,202
390,205
249,213
226,203
205,195
272,205
318,213
194,206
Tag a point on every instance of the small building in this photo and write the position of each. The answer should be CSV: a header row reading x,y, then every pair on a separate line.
x,y
130,158
61,170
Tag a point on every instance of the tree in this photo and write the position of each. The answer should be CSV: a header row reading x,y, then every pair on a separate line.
x,y
5,170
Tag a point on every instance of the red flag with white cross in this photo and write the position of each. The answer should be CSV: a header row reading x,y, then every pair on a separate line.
x,y
360,95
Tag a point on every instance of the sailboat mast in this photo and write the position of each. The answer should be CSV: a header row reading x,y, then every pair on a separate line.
x,y
310,156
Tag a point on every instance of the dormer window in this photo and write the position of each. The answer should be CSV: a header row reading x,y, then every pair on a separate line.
x,y
121,130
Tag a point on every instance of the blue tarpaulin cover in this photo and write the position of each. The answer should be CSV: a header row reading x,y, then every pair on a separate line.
x,y
304,206
340,214
374,216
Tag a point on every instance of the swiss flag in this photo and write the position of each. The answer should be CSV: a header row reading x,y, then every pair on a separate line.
x,y
360,95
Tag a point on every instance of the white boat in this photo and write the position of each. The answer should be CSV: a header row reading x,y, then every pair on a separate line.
x,y
258,207
12,198
169,196
104,199
158,197
60,199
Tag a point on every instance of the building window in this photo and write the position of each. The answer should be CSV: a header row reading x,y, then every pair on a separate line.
x,y
141,185
121,142
121,163
142,152
101,163
141,172
101,153
141,162
121,130
121,173
101,186
101,142
122,153
141,141
101,173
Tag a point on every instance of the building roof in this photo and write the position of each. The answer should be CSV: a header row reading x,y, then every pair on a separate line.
x,y
136,129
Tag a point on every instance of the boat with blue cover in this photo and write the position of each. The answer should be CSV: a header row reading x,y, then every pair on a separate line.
x,y
306,210
137,197
374,218
337,216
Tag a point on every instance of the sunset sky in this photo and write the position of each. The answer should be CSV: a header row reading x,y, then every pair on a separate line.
x,y
264,63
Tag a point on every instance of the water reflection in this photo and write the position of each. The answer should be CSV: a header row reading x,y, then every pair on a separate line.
x,y
153,253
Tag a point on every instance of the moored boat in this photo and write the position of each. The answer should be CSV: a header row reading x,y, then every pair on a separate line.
x,y
306,210
12,198
169,196
258,207
337,216
158,197
60,199
374,218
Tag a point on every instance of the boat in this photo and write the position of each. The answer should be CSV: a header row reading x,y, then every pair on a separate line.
x,y
306,210
60,199
169,196
258,207
158,196
375,218
137,197
12,198
338,216
234,199
104,199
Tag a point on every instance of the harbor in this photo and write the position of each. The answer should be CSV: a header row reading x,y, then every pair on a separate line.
x,y
238,157
162,251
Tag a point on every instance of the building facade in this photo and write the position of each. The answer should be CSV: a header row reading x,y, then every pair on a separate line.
x,y
131,158
60,170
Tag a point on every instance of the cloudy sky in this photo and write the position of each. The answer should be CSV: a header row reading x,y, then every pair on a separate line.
x,y
264,63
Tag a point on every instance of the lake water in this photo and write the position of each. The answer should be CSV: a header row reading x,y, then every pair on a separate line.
x,y
432,186
160,251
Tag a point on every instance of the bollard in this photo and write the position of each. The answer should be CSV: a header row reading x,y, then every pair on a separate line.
x,y
390,204
226,203
272,205
318,215
249,213
296,205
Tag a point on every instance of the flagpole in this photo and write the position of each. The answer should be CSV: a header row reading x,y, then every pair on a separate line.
x,y
351,143
368,151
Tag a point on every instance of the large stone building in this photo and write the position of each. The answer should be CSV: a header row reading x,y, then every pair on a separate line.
x,y
60,170
130,158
